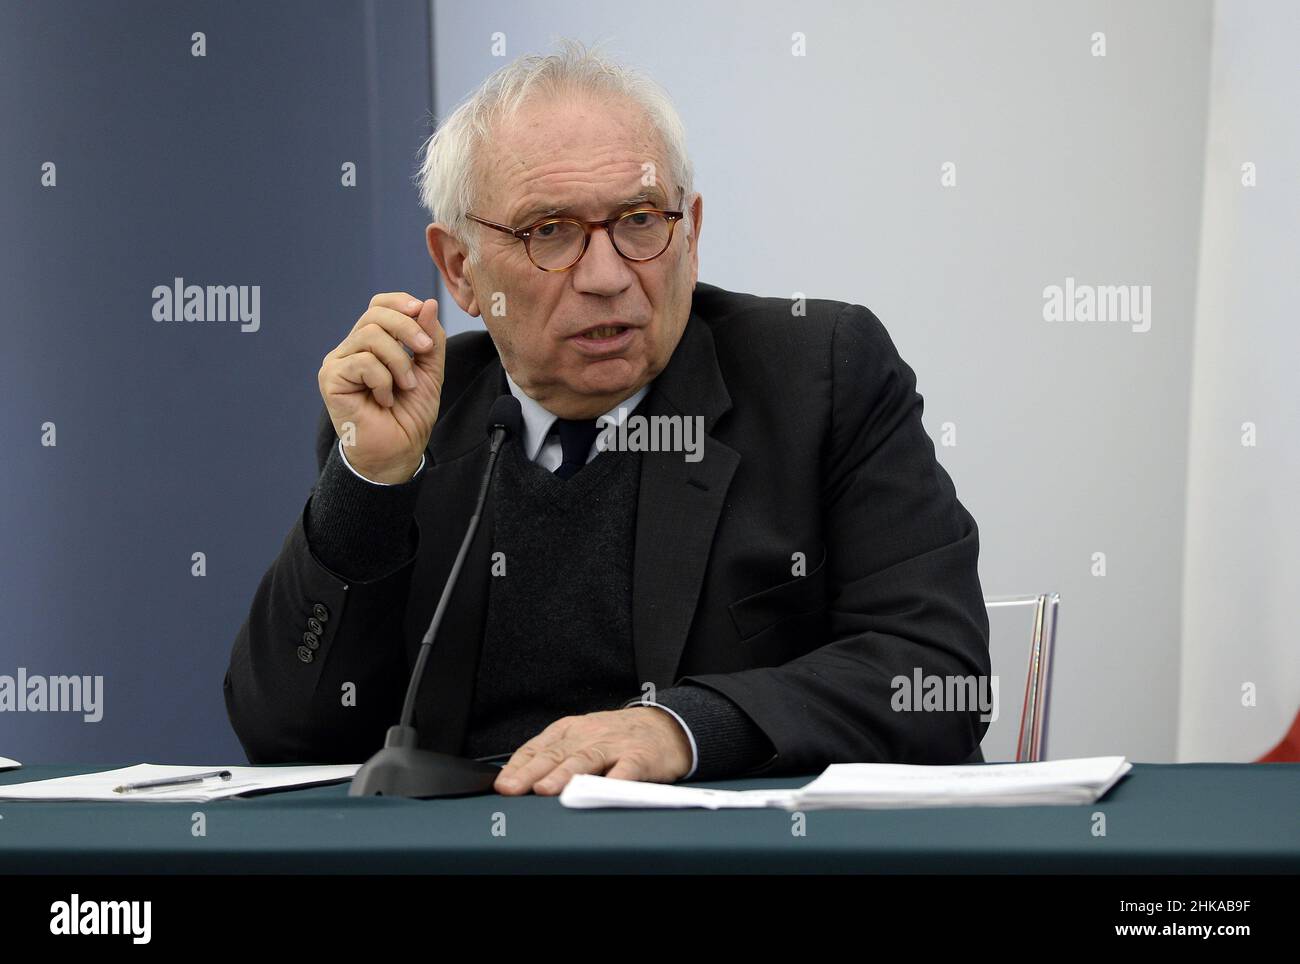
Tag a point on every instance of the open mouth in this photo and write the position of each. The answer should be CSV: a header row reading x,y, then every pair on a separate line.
x,y
603,331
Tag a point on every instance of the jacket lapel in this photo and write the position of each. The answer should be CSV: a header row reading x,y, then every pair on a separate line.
x,y
678,508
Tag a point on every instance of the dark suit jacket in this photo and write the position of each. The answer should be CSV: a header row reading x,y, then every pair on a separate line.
x,y
814,446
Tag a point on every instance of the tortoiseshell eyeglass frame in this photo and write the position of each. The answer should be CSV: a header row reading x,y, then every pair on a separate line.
x,y
525,234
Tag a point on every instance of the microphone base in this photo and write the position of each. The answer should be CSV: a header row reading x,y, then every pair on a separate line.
x,y
406,771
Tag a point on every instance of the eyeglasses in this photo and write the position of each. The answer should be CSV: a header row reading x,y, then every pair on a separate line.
x,y
557,244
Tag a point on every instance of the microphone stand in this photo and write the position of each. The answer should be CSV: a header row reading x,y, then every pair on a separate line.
x,y
401,768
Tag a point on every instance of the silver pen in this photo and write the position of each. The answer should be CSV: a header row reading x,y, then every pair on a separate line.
x,y
173,781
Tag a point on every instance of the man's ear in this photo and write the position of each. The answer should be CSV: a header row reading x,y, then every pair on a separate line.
x,y
453,264
695,215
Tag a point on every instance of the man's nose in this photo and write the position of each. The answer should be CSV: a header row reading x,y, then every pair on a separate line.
x,y
602,270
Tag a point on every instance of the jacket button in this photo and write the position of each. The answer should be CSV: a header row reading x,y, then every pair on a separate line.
x,y
305,654
315,626
320,612
311,640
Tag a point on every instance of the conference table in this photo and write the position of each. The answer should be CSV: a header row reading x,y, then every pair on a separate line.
x,y
1161,818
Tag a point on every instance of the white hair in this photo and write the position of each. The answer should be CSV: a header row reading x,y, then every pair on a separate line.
x,y
446,178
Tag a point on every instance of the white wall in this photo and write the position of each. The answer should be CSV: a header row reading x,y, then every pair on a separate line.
x,y
1071,439
1243,555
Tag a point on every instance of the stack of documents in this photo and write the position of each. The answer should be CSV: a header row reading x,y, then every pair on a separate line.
x,y
879,786
882,785
118,784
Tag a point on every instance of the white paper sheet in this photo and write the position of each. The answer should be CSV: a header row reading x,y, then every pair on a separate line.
x,y
100,786
878,786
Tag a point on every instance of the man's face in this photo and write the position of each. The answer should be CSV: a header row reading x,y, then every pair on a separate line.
x,y
583,157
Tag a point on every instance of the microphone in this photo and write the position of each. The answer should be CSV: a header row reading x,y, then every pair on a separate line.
x,y
401,768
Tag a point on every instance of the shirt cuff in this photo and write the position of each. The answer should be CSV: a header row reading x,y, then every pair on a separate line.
x,y
344,456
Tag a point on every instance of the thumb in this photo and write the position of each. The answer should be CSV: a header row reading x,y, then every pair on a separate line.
x,y
433,358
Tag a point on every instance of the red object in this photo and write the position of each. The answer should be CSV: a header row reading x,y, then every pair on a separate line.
x,y
1288,751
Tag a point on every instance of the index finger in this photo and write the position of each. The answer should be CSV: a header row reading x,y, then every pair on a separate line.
x,y
402,301
400,327
532,761
424,312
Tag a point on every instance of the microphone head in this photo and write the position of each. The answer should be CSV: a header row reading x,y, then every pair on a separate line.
x,y
507,414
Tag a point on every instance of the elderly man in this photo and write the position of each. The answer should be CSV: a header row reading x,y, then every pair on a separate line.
x,y
643,614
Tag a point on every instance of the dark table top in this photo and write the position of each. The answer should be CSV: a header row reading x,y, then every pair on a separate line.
x,y
1161,818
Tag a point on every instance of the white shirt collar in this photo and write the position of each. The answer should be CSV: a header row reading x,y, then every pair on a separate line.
x,y
538,421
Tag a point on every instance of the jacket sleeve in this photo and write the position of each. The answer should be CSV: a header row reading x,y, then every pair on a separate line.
x,y
903,592
318,673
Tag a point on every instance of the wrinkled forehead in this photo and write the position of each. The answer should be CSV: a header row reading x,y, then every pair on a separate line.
x,y
563,144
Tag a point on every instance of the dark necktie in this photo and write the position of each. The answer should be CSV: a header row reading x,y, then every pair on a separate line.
x,y
576,437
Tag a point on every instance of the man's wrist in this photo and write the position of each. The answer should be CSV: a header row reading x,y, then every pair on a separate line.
x,y
690,737
398,476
